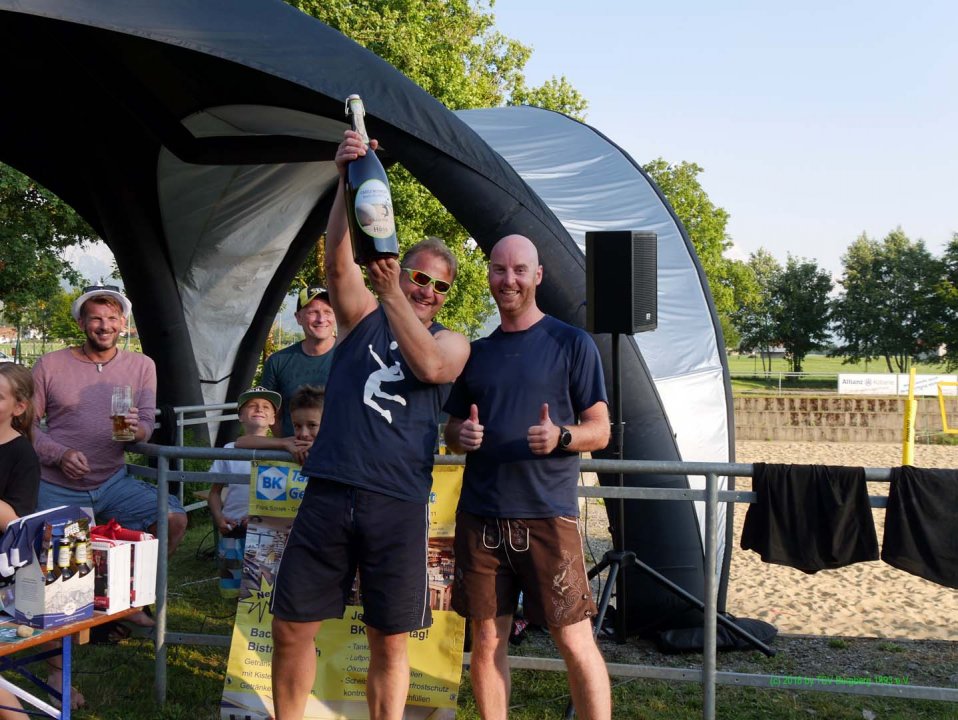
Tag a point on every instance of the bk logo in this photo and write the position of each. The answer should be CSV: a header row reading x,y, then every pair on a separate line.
x,y
271,483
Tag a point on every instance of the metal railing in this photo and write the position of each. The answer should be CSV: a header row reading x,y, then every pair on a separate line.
x,y
708,675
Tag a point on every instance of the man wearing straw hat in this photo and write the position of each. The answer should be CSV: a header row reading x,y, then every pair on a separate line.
x,y
81,463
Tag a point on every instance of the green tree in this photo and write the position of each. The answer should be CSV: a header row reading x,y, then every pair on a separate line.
x,y
705,224
452,50
553,94
800,309
856,312
890,302
55,320
703,220
753,317
740,279
35,229
946,292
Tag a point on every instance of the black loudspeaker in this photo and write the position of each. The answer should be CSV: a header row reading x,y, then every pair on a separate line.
x,y
621,268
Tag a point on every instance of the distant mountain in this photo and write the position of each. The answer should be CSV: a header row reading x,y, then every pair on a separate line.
x,y
94,263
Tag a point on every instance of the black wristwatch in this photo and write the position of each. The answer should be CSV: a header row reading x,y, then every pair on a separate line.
x,y
565,437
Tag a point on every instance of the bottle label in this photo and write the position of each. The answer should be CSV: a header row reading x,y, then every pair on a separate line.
x,y
374,209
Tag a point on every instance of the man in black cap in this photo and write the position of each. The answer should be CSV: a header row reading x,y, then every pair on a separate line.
x,y
306,362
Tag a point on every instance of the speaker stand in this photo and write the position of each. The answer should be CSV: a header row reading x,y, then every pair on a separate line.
x,y
618,448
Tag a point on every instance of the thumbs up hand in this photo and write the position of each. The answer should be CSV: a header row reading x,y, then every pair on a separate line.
x,y
470,432
544,437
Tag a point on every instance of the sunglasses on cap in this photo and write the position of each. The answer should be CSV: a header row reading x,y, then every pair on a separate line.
x,y
94,288
422,280
308,294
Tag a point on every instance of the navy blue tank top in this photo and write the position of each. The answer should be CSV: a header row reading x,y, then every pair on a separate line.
x,y
380,422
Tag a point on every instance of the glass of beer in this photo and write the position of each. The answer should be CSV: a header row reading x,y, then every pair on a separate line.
x,y
121,404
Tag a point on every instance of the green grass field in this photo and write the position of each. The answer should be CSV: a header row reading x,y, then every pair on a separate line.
x,y
33,349
741,364
820,373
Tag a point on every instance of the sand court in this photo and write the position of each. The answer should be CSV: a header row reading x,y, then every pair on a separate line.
x,y
869,599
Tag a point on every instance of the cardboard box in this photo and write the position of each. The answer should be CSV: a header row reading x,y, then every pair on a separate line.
x,y
125,573
111,583
143,572
45,605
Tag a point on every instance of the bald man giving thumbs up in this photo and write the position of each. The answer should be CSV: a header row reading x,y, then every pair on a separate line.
x,y
530,399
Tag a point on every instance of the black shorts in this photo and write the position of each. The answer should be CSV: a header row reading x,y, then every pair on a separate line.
x,y
341,528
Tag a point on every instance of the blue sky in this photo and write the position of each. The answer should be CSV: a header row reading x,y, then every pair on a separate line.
x,y
813,122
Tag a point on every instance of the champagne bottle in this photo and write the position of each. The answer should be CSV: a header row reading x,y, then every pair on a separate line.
x,y
369,204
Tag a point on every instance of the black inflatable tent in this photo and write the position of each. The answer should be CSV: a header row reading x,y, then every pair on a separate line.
x,y
197,137
159,122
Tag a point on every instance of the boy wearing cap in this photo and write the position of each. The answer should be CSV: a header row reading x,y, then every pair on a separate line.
x,y
257,413
306,411
306,362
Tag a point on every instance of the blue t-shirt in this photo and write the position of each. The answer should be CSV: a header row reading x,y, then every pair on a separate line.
x,y
508,377
380,422
289,369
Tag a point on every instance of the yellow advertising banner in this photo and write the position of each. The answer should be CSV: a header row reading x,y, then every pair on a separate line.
x,y
342,652
446,487
343,676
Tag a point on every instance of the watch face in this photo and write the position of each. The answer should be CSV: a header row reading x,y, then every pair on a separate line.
x,y
565,438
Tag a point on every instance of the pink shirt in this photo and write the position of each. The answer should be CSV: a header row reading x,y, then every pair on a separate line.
x,y
75,399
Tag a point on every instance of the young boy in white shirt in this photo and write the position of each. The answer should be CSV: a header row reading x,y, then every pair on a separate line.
x,y
257,412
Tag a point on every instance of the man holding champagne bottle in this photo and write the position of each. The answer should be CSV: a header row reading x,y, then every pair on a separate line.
x,y
370,468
